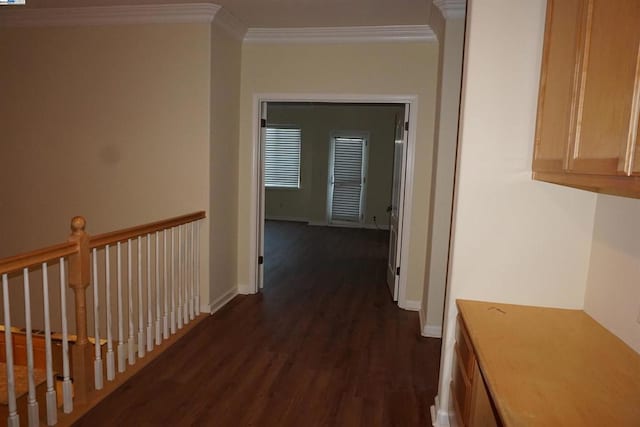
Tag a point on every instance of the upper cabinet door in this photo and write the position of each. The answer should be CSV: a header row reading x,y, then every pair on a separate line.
x,y
607,109
555,127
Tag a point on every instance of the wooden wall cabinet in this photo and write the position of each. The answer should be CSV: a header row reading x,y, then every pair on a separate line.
x,y
589,101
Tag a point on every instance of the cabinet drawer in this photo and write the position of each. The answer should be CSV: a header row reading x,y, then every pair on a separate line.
x,y
465,351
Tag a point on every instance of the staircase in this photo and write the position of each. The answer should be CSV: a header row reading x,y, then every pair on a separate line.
x,y
137,289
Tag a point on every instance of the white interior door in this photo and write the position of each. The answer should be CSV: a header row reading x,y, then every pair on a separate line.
x,y
261,195
347,176
397,202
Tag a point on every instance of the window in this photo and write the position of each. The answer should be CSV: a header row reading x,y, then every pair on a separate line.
x,y
282,157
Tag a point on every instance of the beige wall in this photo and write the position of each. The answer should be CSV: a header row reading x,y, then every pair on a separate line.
x,y
121,124
225,108
451,41
515,240
364,68
613,293
317,122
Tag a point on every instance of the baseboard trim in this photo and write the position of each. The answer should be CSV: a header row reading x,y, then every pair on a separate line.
x,y
432,331
286,218
246,290
366,226
411,305
439,418
222,300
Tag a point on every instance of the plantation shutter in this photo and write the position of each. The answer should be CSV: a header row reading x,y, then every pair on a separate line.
x,y
282,157
347,179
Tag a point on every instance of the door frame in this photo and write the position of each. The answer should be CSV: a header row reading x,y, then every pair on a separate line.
x,y
256,225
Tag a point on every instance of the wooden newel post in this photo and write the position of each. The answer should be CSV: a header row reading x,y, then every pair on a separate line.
x,y
79,279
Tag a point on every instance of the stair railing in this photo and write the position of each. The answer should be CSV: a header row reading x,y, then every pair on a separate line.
x,y
162,266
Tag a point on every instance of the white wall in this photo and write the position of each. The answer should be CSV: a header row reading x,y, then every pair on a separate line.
x,y
365,68
317,122
514,240
613,287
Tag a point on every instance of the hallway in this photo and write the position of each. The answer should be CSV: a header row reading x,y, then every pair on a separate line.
x,y
323,344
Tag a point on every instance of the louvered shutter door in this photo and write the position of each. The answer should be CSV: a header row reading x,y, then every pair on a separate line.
x,y
347,179
282,158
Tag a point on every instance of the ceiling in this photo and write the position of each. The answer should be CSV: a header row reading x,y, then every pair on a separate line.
x,y
292,13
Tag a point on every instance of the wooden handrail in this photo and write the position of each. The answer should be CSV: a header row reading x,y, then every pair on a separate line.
x,y
37,257
142,230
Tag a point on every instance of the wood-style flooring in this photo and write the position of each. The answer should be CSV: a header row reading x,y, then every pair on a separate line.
x,y
322,345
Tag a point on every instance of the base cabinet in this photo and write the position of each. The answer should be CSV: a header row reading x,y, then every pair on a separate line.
x,y
470,404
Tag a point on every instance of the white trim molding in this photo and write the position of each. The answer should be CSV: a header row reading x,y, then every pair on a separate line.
x,y
229,23
432,331
362,34
111,15
439,417
411,305
247,290
222,300
451,9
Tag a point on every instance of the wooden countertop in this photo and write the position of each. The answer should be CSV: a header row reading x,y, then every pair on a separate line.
x,y
553,367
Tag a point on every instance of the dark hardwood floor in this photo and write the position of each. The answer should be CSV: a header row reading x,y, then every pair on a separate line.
x,y
322,345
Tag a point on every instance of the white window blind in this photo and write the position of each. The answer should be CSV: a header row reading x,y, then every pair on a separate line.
x,y
282,157
348,179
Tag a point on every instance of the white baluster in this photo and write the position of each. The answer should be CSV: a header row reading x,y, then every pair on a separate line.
x,y
197,267
165,319
122,355
141,349
157,277
52,408
67,390
111,368
97,363
180,278
131,342
149,301
185,273
32,403
189,266
173,282
13,420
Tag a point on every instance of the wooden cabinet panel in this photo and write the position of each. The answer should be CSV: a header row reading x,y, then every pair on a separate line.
x,y
555,127
608,81
589,102
470,404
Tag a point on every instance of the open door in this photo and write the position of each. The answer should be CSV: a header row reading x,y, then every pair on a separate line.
x,y
263,137
397,202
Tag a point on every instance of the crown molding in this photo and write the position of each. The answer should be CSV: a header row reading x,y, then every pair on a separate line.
x,y
363,34
229,23
451,9
110,15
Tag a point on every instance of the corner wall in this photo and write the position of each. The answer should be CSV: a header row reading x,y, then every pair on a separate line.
x,y
613,286
223,164
451,42
514,240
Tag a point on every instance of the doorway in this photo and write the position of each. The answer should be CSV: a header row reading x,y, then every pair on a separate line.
x,y
349,211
